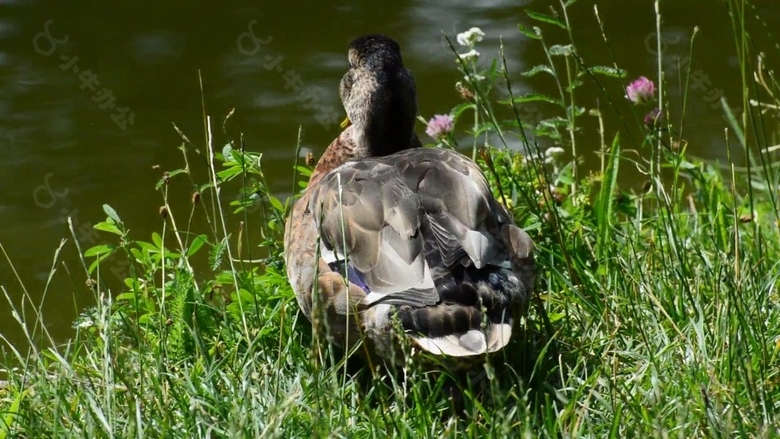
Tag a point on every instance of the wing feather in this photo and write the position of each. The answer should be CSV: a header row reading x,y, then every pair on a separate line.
x,y
386,221
372,213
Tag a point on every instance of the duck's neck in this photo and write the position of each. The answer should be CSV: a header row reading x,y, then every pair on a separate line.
x,y
383,134
384,114
382,120
356,143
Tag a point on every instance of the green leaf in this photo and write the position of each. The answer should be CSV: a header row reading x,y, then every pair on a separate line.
x,y
555,121
555,316
111,213
733,122
197,244
566,174
133,284
276,204
303,170
11,413
538,69
535,33
229,173
108,227
617,423
493,70
99,249
546,19
578,111
97,261
561,50
533,97
147,245
172,255
608,71
605,202
125,296
460,108
139,255
244,296
157,239
215,257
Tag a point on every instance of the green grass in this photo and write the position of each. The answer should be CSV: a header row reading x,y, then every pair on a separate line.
x,y
656,312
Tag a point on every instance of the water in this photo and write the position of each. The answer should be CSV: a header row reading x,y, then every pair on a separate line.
x,y
55,139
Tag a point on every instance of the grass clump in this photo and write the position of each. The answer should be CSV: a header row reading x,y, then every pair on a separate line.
x,y
656,310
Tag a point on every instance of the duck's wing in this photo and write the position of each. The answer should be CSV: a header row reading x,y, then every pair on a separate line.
x,y
475,251
420,230
369,221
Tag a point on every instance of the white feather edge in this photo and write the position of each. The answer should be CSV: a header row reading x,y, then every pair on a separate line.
x,y
473,342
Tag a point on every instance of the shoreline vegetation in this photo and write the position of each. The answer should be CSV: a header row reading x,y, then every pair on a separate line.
x,y
655,312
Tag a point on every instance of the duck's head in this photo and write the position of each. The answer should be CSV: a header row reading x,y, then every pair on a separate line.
x,y
379,94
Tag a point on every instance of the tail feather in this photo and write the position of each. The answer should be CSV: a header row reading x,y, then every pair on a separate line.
x,y
472,320
472,342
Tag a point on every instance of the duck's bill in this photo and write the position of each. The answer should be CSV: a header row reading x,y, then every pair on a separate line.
x,y
345,123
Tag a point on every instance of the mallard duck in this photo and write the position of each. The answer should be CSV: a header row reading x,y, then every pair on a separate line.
x,y
390,233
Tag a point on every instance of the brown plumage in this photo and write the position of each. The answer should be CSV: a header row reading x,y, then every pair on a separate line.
x,y
388,232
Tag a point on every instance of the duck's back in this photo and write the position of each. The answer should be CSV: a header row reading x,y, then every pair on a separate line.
x,y
419,236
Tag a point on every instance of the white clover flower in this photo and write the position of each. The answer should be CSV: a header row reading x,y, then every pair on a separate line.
x,y
554,151
532,156
86,324
470,37
470,55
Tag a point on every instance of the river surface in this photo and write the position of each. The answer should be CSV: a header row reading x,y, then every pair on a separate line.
x,y
62,133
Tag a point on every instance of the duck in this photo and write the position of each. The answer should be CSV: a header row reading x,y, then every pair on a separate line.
x,y
394,244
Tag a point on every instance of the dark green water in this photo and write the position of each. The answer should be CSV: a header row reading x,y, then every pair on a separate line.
x,y
144,57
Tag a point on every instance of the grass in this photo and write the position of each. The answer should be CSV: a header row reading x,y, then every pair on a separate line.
x,y
656,311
